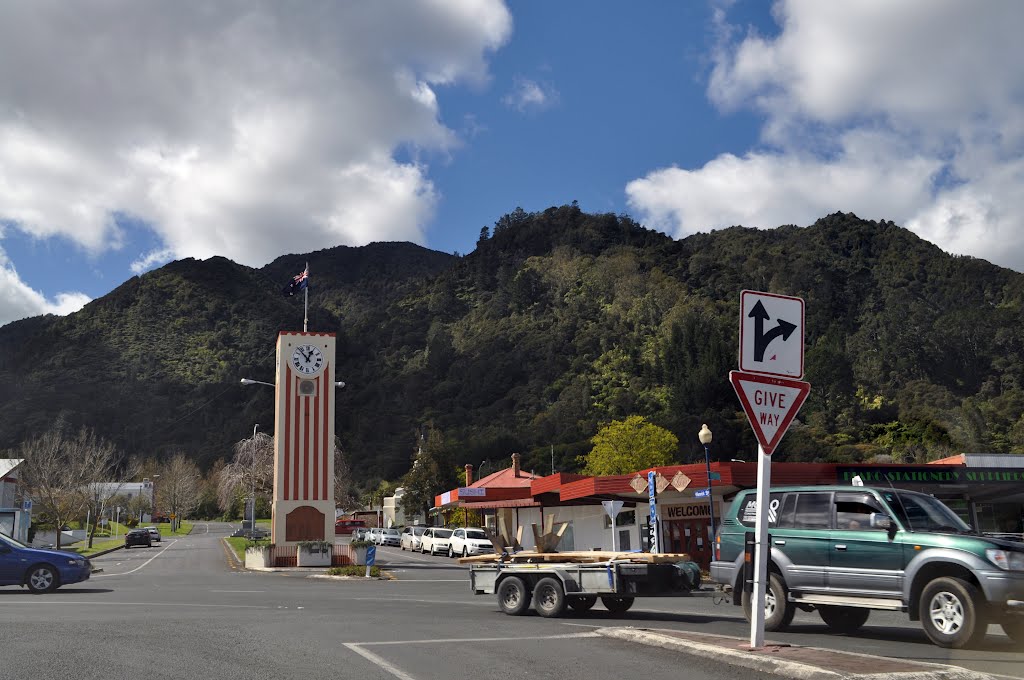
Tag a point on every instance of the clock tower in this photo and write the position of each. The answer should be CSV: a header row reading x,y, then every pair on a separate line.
x,y
303,504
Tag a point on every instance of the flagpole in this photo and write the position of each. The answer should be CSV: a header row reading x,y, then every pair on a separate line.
x,y
305,302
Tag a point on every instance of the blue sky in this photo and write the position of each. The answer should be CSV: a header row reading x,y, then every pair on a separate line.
x,y
134,133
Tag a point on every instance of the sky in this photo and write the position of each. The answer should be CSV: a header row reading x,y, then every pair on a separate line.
x,y
135,133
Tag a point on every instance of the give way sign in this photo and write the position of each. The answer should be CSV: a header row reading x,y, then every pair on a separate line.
x,y
770,404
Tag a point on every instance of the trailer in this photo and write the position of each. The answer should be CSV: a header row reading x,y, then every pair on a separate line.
x,y
557,582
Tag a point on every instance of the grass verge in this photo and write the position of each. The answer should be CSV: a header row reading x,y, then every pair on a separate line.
x,y
237,544
97,546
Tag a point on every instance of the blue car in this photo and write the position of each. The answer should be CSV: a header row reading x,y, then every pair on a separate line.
x,y
41,571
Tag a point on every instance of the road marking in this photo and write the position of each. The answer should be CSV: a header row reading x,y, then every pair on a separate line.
x,y
567,636
143,564
402,600
93,603
238,591
380,662
385,665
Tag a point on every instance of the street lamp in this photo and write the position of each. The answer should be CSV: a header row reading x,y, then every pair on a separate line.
x,y
705,438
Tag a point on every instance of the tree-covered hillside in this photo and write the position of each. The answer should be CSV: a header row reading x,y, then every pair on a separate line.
x,y
556,323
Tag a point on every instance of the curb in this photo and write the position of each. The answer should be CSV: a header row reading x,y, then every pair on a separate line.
x,y
760,660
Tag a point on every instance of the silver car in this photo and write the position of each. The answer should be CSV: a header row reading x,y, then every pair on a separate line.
x,y
154,534
389,537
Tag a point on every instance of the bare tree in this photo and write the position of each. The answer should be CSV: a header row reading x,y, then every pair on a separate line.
x,y
178,490
251,468
59,469
106,483
344,497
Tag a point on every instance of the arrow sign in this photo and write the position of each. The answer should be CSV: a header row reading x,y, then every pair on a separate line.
x,y
770,404
771,334
702,493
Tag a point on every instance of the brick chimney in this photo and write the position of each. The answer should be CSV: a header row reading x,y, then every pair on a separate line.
x,y
469,474
515,464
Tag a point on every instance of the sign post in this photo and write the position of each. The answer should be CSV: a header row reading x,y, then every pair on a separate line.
x,y
612,509
768,387
371,557
651,483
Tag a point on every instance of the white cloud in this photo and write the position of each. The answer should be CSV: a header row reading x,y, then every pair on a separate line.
x,y
243,129
530,95
18,300
910,111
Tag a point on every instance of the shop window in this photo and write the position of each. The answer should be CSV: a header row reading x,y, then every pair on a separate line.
x,y
626,518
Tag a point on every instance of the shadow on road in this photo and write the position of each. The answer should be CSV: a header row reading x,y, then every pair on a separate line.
x,y
67,590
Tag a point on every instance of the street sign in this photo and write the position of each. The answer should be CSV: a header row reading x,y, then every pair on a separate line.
x,y
770,404
702,493
26,505
715,476
371,556
612,508
651,485
771,334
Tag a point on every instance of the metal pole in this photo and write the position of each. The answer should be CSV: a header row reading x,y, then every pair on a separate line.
x,y
711,497
252,517
761,549
305,302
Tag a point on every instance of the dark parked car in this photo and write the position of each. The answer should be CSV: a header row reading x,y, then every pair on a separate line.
x,y
137,537
39,570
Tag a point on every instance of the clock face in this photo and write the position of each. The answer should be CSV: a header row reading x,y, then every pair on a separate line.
x,y
307,359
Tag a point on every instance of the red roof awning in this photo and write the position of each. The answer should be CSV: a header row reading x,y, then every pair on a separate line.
x,y
510,503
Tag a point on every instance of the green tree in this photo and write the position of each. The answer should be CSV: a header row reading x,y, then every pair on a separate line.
x,y
624,446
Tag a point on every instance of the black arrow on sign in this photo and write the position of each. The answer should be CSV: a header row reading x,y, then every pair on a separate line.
x,y
762,339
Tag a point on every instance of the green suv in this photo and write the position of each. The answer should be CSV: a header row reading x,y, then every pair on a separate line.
x,y
845,550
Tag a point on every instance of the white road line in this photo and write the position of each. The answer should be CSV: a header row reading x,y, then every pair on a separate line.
x,y
385,665
92,603
378,661
403,600
567,636
238,591
124,573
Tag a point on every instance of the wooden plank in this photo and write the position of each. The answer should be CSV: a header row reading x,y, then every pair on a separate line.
x,y
580,557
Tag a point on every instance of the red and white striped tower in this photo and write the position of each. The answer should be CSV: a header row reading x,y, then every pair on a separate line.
x,y
303,506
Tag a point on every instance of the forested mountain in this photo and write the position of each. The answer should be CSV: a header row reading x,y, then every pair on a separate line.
x,y
557,322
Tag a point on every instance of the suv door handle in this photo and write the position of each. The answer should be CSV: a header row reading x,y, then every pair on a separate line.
x,y
780,543
840,546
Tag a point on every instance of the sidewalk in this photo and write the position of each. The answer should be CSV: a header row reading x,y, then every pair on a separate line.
x,y
792,661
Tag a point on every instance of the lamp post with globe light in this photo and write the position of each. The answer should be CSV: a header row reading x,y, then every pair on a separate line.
x,y
705,438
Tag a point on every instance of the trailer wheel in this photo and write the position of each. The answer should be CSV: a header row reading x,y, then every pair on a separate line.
x,y
583,603
615,604
513,596
549,597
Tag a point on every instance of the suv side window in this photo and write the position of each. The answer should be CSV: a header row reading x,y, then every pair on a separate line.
x,y
813,511
853,511
458,534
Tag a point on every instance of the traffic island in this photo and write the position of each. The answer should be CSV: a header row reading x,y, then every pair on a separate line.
x,y
791,661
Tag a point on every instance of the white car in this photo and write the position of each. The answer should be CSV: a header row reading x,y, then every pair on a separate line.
x,y
435,540
411,537
469,541
388,537
373,535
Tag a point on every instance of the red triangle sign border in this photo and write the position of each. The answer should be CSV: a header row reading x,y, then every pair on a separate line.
x,y
803,389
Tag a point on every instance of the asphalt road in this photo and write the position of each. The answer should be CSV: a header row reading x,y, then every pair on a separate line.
x,y
178,610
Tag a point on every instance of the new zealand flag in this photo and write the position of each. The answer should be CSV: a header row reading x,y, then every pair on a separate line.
x,y
298,282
